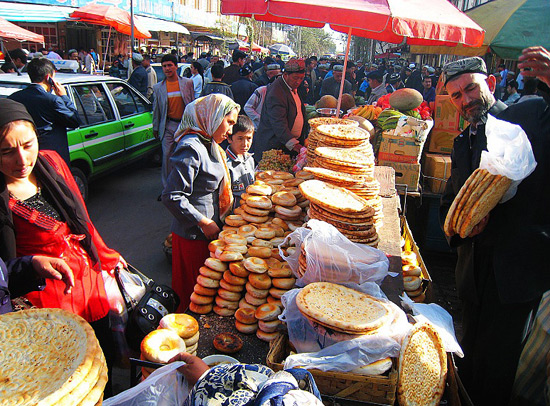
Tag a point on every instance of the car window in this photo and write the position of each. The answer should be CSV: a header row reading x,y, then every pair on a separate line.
x,y
127,101
160,73
92,104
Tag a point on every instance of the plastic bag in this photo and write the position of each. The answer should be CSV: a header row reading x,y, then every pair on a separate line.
x,y
332,351
164,387
331,257
509,153
439,318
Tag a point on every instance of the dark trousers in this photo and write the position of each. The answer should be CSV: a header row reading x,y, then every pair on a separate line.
x,y
104,335
492,343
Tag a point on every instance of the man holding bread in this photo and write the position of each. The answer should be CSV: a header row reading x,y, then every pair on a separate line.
x,y
501,271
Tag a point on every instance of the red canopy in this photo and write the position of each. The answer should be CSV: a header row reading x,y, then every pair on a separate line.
x,y
420,22
11,31
111,16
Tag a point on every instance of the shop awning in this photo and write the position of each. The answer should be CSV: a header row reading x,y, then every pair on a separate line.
x,y
155,24
205,36
35,13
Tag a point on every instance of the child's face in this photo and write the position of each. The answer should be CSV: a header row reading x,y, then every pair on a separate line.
x,y
240,142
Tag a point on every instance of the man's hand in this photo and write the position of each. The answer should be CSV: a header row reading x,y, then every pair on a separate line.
x,y
537,62
54,268
156,134
297,148
194,366
209,228
478,229
58,88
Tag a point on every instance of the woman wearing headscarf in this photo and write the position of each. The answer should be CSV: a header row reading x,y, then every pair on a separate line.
x,y
198,189
42,213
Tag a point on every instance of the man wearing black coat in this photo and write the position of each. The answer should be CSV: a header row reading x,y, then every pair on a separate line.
x,y
283,122
244,87
52,113
501,271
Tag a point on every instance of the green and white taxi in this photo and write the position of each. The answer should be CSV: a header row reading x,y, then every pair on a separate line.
x,y
116,123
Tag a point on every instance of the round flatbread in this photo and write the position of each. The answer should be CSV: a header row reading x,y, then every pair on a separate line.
x,y
47,354
422,367
341,307
333,198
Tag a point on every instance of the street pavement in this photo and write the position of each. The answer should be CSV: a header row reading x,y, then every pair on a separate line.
x,y
123,207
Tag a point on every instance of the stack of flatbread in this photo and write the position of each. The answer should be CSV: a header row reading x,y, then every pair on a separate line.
x,y
50,357
478,196
366,187
343,309
422,367
346,211
314,135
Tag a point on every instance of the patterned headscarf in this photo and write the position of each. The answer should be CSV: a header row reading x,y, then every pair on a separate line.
x,y
203,117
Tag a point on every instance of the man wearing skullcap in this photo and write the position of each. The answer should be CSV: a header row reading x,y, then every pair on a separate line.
x,y
138,78
331,85
244,87
283,123
502,269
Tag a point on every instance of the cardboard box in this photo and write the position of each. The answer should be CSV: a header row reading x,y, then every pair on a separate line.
x,y
446,116
436,170
405,173
397,148
441,141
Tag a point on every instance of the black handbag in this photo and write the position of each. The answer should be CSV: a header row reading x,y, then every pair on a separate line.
x,y
144,314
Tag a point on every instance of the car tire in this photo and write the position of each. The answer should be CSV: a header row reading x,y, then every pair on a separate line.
x,y
155,158
81,182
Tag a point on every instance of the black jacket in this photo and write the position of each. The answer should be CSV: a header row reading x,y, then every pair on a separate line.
x,y
52,116
242,90
517,235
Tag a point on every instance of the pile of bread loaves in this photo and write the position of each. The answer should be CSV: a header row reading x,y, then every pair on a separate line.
x,y
176,333
346,211
50,357
319,138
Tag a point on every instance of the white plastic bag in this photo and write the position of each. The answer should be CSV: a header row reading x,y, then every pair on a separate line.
x,y
439,318
331,257
164,387
509,153
332,351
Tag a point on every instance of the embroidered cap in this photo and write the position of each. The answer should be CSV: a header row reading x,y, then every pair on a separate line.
x,y
137,57
273,66
473,64
295,65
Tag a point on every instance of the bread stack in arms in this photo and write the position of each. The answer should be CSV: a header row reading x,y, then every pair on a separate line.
x,y
478,196
346,211
50,357
316,139
422,367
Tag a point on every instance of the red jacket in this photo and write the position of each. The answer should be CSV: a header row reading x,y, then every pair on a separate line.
x,y
50,237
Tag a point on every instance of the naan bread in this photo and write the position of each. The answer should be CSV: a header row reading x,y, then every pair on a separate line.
x,y
45,354
355,157
422,367
343,132
317,121
342,308
332,197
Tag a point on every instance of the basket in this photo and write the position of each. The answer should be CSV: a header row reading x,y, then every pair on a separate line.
x,y
376,389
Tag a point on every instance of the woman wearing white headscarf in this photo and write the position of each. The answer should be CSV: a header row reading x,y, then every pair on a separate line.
x,y
198,189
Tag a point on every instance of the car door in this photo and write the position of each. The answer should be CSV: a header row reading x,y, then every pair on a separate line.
x,y
136,118
102,134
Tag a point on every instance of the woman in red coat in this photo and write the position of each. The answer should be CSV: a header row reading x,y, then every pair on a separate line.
x,y
42,213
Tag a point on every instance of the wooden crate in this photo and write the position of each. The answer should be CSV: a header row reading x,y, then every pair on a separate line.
x,y
376,389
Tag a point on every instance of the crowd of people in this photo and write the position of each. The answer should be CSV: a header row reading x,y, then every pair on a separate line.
x,y
210,122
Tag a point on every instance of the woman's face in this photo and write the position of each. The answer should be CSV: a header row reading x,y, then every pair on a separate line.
x,y
226,126
18,151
